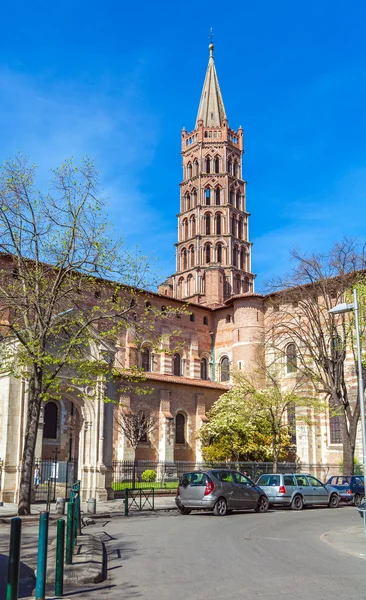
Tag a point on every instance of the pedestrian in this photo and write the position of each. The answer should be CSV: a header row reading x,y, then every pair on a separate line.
x,y
37,476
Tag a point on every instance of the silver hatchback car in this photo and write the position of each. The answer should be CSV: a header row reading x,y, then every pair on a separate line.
x,y
219,490
297,490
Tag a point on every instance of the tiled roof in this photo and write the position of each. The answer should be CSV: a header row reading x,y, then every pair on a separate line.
x,y
186,381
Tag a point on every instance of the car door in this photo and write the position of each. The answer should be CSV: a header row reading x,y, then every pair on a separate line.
x,y
305,489
320,493
247,493
230,490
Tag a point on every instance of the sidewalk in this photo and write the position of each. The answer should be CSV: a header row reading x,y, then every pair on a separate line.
x,y
108,508
347,540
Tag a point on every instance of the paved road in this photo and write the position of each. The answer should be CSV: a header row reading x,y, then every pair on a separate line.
x,y
159,556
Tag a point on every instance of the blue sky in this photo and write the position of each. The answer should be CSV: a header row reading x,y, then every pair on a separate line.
x,y
118,81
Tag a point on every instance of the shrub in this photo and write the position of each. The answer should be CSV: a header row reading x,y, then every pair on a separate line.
x,y
357,470
149,475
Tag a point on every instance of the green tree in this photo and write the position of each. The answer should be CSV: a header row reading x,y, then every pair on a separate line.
x,y
68,290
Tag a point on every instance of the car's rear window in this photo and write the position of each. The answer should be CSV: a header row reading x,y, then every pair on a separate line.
x,y
194,479
272,480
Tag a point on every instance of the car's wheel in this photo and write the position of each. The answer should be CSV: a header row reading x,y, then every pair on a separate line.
x,y
220,508
184,511
357,499
333,501
262,505
297,503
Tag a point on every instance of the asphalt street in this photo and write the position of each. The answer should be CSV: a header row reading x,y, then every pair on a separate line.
x,y
156,556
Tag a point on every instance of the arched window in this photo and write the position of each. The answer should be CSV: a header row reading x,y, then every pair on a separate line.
x,y
194,198
238,200
204,369
193,226
240,231
185,229
224,369
177,364
242,258
235,171
184,259
50,420
217,165
235,256
218,224
191,256
246,285
195,165
208,164
291,359
189,170
146,359
180,287
188,202
229,165
208,196
232,197
219,253
237,284
180,429
207,224
217,196
207,253
190,282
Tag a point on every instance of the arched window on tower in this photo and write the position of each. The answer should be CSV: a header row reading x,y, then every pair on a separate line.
x,y
217,165
229,165
191,257
50,420
232,197
208,164
238,200
217,196
237,284
208,196
235,169
235,256
177,364
291,359
180,429
194,198
240,232
207,253
242,258
234,226
146,359
218,224
188,202
180,287
246,285
224,369
195,167
184,259
207,224
190,285
204,369
219,253
193,225
185,229
189,170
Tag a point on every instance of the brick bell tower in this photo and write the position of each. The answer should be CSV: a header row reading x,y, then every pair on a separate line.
x,y
213,249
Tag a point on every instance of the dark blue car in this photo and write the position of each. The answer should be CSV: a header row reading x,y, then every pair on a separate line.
x,y
350,488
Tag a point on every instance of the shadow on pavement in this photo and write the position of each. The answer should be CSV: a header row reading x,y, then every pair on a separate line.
x,y
26,578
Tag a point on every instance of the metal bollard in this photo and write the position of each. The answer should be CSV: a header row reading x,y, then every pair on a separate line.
x,y
12,588
60,551
126,502
70,533
42,556
78,515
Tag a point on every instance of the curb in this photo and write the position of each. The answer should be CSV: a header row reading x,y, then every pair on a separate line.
x,y
339,544
89,562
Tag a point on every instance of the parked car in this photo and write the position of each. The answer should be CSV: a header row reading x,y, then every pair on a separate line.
x,y
219,490
350,487
297,490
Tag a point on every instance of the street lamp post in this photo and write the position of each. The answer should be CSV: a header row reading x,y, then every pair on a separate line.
x,y
337,310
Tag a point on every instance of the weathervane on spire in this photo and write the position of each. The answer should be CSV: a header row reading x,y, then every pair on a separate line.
x,y
211,35
211,46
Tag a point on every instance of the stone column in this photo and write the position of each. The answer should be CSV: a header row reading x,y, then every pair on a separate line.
x,y
166,430
201,419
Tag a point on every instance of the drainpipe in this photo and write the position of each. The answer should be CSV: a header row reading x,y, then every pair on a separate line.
x,y
212,355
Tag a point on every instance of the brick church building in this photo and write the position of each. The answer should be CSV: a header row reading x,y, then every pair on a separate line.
x,y
223,329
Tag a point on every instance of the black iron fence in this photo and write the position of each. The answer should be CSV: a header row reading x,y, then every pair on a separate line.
x,y
165,475
53,479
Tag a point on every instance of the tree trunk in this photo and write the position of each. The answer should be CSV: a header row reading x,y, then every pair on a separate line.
x,y
349,442
275,453
30,438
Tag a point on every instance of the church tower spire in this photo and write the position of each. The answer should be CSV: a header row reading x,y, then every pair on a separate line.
x,y
213,248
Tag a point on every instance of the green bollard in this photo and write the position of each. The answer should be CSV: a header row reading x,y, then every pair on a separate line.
x,y
153,499
126,502
42,556
12,588
60,551
70,533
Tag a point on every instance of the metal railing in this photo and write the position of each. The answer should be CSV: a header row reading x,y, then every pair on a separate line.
x,y
55,479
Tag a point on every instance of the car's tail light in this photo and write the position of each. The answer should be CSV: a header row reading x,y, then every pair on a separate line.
x,y
349,492
282,489
209,488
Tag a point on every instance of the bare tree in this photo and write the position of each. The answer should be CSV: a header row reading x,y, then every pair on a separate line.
x,y
300,305
136,426
67,288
